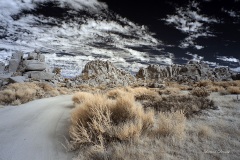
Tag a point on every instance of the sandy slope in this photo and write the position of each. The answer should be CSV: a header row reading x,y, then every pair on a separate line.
x,y
35,131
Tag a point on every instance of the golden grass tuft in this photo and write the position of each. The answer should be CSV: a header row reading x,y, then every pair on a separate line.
x,y
142,93
205,131
171,124
80,97
170,91
204,83
215,88
233,90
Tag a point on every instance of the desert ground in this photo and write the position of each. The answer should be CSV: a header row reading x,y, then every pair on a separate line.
x,y
178,122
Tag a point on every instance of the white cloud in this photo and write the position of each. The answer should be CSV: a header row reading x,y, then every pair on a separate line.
x,y
195,57
228,59
191,22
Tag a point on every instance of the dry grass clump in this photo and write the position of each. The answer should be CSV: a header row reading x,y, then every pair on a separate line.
x,y
215,88
204,83
200,92
18,93
100,120
177,85
233,90
80,97
171,124
170,91
205,131
142,93
188,104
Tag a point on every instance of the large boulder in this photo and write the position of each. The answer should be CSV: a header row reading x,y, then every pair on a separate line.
x,y
34,65
41,75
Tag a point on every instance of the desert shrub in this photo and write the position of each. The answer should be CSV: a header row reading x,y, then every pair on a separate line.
x,y
215,88
205,131
233,90
171,123
141,93
113,94
7,96
188,104
225,84
200,92
100,120
169,91
204,83
80,97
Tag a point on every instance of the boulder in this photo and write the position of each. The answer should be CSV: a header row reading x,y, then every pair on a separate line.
x,y
2,67
13,65
41,75
18,56
33,65
17,79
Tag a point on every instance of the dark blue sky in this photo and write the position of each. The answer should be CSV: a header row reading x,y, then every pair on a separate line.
x,y
222,26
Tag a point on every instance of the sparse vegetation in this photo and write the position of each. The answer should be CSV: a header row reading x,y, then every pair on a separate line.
x,y
123,116
18,93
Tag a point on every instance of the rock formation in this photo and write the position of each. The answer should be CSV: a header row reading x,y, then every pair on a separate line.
x,y
21,69
191,72
99,72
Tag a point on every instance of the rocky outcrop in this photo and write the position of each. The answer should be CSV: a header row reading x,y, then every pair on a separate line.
x,y
20,69
99,72
191,72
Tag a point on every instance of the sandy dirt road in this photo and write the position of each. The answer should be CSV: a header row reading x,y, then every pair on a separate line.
x,y
36,130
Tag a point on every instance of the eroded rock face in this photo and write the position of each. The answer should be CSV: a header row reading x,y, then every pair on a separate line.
x,y
183,73
105,73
